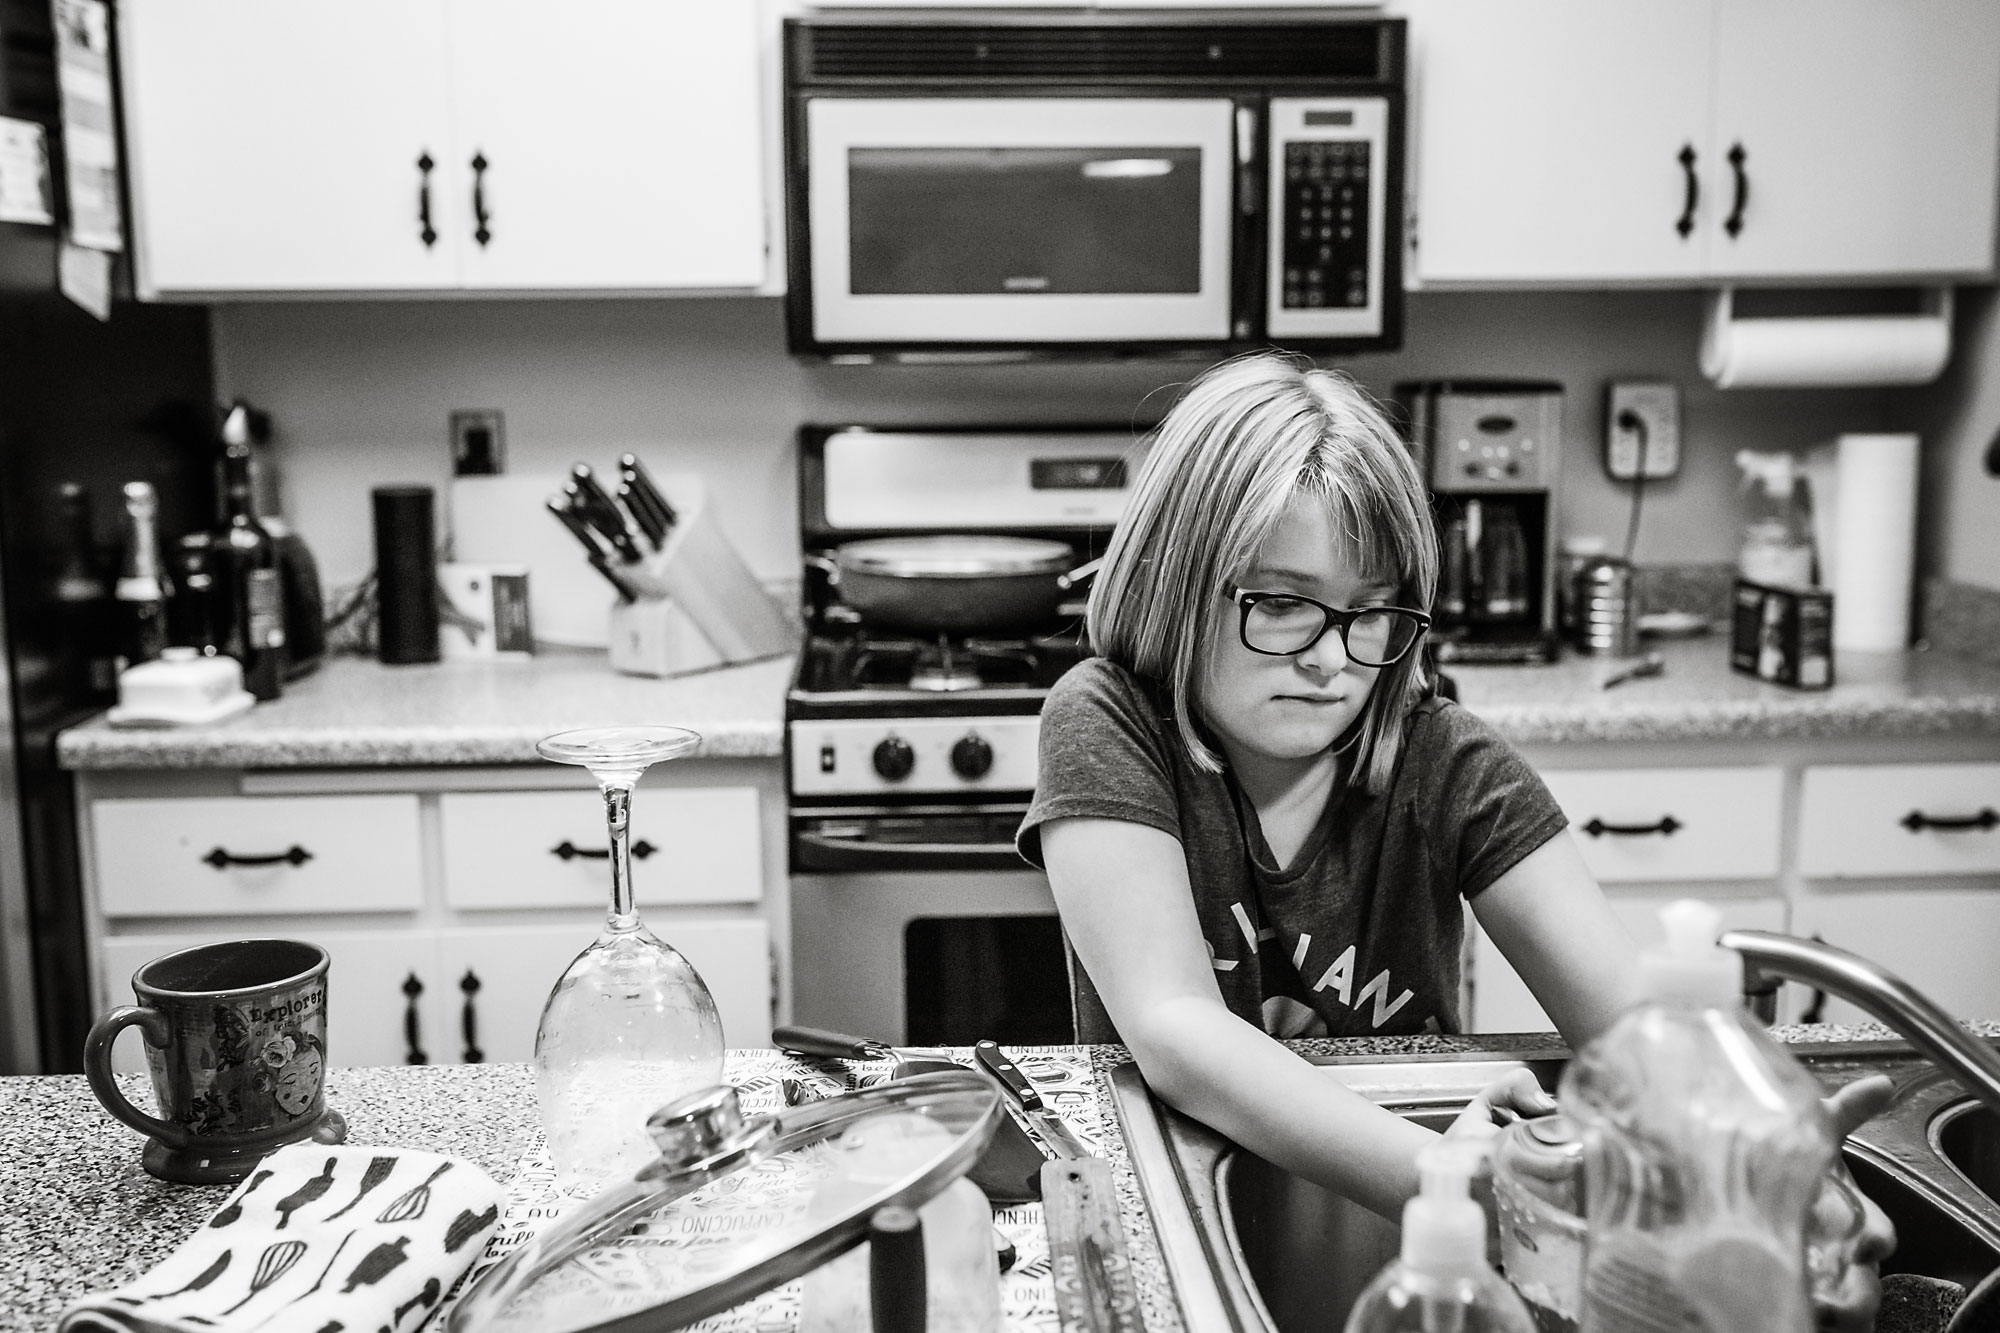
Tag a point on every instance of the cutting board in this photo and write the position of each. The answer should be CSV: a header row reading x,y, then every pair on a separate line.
x,y
505,519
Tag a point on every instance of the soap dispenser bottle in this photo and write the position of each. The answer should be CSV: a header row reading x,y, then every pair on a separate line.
x,y
1442,1282
1705,1146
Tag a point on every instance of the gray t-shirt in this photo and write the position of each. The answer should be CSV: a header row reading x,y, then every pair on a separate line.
x,y
1361,934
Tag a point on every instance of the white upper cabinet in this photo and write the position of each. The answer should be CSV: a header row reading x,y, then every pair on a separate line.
x,y
1547,138
606,146
282,147
1571,141
621,143
1869,133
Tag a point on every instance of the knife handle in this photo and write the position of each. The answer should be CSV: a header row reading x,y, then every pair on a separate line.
x,y
818,1041
1001,1065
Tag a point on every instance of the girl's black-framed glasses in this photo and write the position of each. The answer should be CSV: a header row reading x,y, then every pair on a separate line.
x,y
1281,624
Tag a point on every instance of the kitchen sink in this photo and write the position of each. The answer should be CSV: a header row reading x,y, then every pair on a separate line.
x,y
1251,1247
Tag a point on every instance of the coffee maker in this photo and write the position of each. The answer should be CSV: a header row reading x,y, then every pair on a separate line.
x,y
1490,451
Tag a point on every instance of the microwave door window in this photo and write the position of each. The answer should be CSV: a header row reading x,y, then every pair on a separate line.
x,y
996,221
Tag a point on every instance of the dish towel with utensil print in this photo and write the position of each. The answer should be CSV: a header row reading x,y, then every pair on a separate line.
x,y
318,1240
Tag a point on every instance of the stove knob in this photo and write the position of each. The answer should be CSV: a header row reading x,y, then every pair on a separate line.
x,y
971,757
894,759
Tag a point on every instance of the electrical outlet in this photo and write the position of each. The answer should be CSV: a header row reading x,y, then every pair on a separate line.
x,y
477,446
1642,416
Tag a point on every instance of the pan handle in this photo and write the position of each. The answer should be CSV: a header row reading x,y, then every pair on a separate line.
x,y
1083,573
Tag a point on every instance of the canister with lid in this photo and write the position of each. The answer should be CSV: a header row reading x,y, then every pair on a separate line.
x,y
1607,607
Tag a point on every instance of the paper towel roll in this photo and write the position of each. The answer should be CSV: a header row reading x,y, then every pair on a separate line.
x,y
1868,545
1816,351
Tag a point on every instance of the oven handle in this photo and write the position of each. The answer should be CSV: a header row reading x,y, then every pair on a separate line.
x,y
828,855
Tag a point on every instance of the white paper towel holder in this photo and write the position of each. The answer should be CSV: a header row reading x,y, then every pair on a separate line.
x,y
1828,350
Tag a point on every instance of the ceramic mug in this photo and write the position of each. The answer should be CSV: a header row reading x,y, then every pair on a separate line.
x,y
235,1038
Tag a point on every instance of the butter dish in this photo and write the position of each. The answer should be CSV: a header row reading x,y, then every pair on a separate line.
x,y
180,688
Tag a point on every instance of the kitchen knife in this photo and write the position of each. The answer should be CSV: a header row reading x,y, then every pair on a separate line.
x,y
634,473
1023,1094
818,1041
603,512
649,522
595,545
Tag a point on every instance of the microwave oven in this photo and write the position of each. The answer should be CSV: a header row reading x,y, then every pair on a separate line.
x,y
1010,184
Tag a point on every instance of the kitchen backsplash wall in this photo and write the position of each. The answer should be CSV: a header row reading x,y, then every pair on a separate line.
x,y
1960,421
360,395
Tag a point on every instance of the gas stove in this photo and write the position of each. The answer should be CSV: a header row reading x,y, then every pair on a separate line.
x,y
903,717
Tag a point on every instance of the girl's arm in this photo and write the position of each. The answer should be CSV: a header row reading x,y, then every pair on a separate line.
x,y
1552,923
1123,892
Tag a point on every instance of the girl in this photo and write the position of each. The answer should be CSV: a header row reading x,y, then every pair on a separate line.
x,y
1259,820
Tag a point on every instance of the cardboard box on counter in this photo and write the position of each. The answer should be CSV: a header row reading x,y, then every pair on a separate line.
x,y
1783,635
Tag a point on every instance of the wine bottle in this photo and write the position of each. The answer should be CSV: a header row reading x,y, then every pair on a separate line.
x,y
193,620
142,587
256,603
82,604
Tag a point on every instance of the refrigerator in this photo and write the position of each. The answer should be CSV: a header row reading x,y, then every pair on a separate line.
x,y
99,403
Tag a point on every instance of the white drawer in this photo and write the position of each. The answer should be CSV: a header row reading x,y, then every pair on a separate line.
x,y
1861,820
317,854
1669,824
689,845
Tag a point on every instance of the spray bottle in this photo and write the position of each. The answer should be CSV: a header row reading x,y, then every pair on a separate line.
x,y
1705,1147
1777,540
1442,1283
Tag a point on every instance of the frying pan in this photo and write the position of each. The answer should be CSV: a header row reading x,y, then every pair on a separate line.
x,y
949,584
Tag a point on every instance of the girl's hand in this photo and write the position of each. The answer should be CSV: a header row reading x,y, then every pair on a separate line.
x,y
1514,1097
1851,1309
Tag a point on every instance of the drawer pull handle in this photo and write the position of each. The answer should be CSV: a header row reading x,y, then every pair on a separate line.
x,y
569,851
414,1054
1597,828
222,859
469,1022
1917,821
1685,223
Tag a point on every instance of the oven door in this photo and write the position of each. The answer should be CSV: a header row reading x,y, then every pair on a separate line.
x,y
1020,220
924,936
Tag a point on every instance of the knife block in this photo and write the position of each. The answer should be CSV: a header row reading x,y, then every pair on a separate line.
x,y
696,592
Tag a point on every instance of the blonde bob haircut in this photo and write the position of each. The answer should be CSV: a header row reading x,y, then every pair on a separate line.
x,y
1244,440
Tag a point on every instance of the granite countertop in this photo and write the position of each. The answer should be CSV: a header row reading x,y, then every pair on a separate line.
x,y
355,712
84,1217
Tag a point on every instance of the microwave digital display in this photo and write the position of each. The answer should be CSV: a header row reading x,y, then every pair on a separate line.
x,y
1076,474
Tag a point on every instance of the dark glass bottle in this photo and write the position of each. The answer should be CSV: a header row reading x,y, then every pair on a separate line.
x,y
193,617
142,587
82,602
256,601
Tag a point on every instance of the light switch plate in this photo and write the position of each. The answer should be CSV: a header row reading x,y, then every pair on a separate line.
x,y
1642,413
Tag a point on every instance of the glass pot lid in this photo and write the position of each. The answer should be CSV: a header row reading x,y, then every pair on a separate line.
x,y
598,1268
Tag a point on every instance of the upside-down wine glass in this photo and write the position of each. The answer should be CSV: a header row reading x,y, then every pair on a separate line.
x,y
630,1025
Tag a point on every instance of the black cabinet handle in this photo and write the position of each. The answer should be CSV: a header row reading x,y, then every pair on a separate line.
x,y
222,859
1737,157
481,233
1917,821
569,851
468,985
429,233
413,1053
1693,196
1667,824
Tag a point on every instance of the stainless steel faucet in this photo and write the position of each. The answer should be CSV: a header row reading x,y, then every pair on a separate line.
x,y
1769,958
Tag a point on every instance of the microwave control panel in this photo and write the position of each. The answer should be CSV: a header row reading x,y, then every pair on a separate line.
x,y
1327,188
